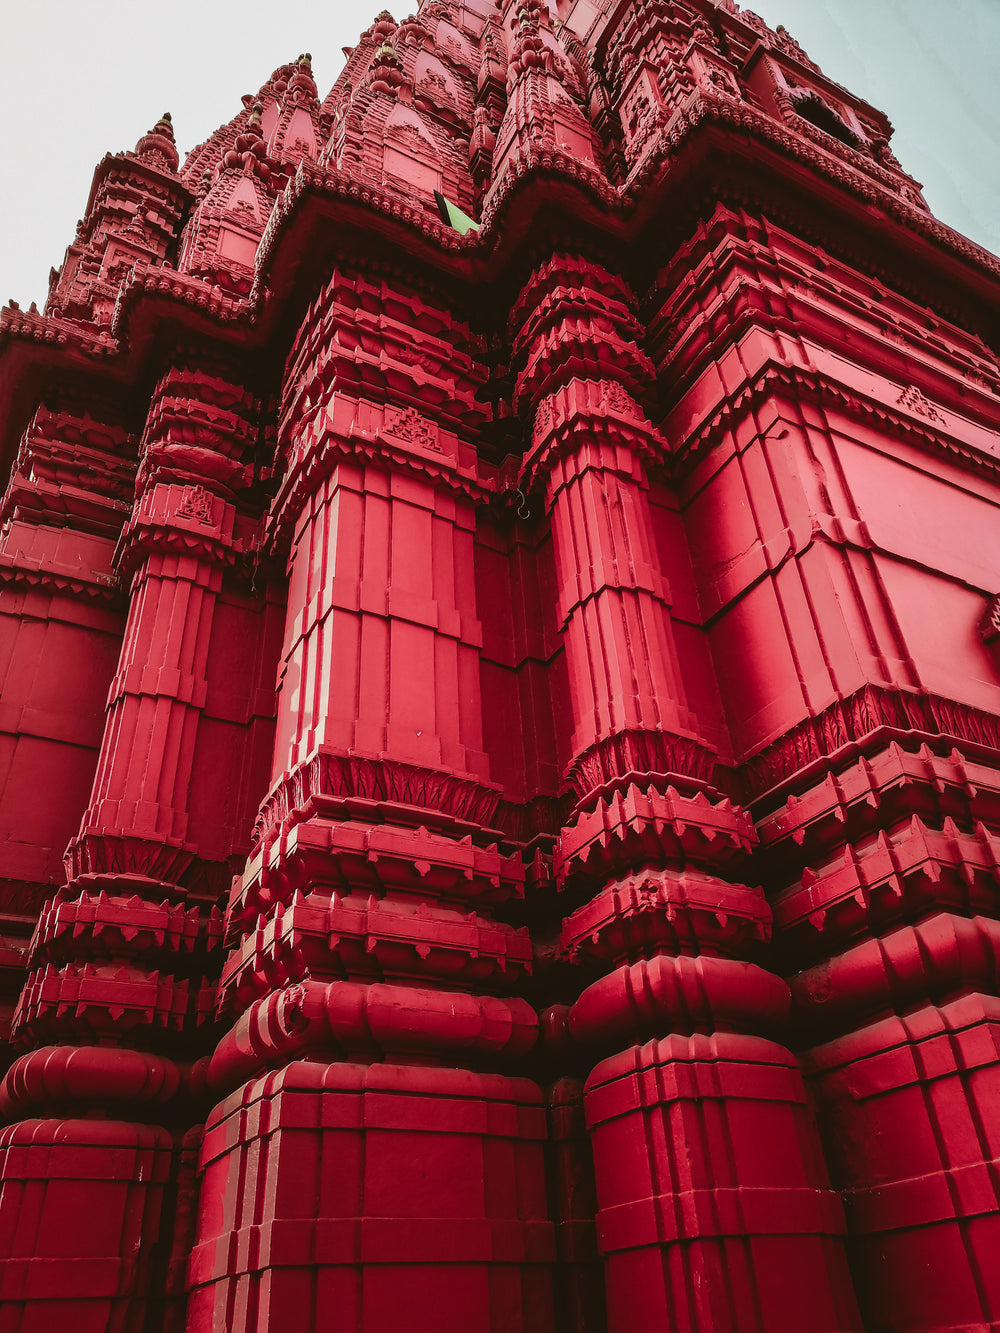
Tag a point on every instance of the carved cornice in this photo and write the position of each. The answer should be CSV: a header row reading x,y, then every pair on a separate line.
x,y
376,936
775,379
43,330
598,414
15,573
710,108
631,757
321,447
116,861
394,786
182,520
873,713
791,291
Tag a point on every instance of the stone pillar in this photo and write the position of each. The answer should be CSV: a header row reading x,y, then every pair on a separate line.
x,y
121,964
81,1204
714,1210
371,1156
894,913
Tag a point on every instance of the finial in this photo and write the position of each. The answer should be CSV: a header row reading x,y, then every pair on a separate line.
x,y
384,26
248,150
157,146
301,87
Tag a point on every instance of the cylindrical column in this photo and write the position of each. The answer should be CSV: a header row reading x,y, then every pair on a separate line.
x,y
383,1193
891,907
80,1210
714,1211
121,963
383,1178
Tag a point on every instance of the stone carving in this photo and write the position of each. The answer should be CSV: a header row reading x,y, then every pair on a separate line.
x,y
406,424
616,398
914,400
476,678
196,503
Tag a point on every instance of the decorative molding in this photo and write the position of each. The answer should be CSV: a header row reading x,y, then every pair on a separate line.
x,y
407,424
774,379
989,626
912,399
382,781
871,711
196,504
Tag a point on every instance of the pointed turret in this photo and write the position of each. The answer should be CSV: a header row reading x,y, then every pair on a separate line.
x,y
405,111
491,81
207,156
221,242
543,119
482,146
296,131
158,146
133,217
488,111
386,74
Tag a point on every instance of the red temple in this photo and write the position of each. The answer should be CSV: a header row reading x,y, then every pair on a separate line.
x,y
500,725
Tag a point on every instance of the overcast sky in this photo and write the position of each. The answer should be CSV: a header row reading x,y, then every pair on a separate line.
x,y
80,80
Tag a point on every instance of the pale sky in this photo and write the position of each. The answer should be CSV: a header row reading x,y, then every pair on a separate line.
x,y
81,80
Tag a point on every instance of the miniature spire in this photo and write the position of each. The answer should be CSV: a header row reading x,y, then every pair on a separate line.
x,y
301,86
383,27
249,150
482,144
386,73
295,133
157,146
490,69
542,116
530,52
412,30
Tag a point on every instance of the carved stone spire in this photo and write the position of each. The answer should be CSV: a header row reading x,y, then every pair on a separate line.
x,y
542,117
158,147
296,131
220,243
249,152
481,147
386,74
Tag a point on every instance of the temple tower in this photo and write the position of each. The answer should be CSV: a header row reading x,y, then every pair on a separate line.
x,y
501,706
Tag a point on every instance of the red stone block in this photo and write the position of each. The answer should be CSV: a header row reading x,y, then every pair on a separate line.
x,y
395,1188
81,1204
498,678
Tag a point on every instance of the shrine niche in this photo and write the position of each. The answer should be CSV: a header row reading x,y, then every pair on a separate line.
x,y
454,46
500,706
641,99
410,151
433,81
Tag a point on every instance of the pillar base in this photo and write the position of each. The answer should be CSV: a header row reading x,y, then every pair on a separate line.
x,y
715,1215
908,1103
396,1196
80,1209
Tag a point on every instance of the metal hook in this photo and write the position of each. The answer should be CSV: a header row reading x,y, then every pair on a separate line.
x,y
522,510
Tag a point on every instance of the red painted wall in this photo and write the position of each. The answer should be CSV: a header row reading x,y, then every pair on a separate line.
x,y
500,800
